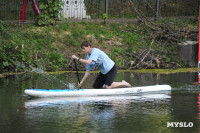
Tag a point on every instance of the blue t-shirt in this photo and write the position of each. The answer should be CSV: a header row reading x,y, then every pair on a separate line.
x,y
99,58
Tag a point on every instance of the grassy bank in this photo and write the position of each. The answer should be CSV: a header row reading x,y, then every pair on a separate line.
x,y
50,48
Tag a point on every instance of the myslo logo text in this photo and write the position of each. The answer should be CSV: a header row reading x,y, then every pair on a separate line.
x,y
179,124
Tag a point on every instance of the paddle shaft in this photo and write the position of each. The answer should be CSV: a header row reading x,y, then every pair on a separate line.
x,y
77,72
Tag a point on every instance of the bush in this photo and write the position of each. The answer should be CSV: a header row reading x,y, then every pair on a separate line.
x,y
50,11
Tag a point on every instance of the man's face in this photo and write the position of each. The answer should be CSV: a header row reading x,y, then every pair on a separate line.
x,y
86,50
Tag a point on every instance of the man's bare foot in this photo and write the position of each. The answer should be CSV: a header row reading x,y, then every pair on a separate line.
x,y
126,83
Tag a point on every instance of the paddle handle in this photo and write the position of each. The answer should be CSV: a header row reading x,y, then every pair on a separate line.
x,y
77,72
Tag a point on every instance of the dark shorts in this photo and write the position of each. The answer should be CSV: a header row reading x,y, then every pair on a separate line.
x,y
106,79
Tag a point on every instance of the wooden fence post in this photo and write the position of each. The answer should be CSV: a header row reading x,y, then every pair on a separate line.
x,y
106,7
157,10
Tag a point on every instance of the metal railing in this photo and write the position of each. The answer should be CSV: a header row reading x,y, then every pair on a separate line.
x,y
150,8
10,10
115,9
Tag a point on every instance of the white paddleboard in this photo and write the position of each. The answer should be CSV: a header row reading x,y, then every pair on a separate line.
x,y
94,92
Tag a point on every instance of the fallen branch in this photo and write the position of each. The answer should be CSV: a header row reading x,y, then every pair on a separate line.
x,y
145,56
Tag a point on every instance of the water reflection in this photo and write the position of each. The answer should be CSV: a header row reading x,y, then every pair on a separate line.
x,y
98,114
53,101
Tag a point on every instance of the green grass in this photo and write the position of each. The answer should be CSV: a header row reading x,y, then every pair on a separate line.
x,y
52,46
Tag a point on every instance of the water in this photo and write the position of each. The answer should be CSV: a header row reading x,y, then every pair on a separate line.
x,y
109,114
51,78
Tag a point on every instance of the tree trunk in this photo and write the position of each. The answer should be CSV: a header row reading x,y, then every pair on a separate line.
x,y
188,53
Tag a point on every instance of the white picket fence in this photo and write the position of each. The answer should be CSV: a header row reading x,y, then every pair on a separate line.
x,y
74,9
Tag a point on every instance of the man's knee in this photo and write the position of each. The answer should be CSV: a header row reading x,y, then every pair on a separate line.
x,y
95,86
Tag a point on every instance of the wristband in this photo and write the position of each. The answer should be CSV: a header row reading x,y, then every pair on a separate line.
x,y
79,58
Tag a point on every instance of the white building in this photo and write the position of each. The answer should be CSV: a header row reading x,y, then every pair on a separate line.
x,y
74,9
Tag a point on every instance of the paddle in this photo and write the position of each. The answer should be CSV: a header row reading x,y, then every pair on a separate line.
x,y
77,72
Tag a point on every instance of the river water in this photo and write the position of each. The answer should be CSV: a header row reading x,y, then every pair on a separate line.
x,y
142,113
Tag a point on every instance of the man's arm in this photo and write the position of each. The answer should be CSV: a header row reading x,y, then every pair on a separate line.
x,y
87,73
82,60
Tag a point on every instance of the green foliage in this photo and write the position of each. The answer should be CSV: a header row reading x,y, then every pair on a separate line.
x,y
55,60
63,27
29,46
131,40
51,47
2,26
105,17
119,51
117,54
50,11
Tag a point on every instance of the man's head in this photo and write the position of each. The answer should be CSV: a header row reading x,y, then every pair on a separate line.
x,y
86,47
86,44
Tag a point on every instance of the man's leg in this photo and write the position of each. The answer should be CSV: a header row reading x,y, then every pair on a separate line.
x,y
100,81
110,77
118,84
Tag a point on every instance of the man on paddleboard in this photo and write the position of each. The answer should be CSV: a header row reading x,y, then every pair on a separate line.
x,y
108,69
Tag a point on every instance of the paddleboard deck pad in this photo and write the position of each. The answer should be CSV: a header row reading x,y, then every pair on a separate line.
x,y
94,92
